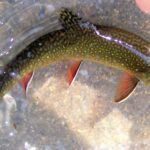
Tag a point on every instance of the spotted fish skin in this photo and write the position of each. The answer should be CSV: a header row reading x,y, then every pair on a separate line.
x,y
84,41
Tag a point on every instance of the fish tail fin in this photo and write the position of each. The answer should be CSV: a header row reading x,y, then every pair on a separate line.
x,y
68,19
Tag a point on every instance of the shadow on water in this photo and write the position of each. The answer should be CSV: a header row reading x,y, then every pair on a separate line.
x,y
136,109
42,130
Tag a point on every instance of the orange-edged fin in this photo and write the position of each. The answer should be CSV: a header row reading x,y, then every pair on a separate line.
x,y
25,80
72,70
126,85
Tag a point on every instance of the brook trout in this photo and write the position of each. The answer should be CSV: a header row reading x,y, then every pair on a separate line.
x,y
82,40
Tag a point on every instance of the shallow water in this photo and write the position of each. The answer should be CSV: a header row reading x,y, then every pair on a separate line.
x,y
82,116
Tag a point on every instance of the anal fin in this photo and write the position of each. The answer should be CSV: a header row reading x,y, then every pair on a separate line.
x,y
125,87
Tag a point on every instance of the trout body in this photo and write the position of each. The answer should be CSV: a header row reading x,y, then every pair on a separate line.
x,y
82,40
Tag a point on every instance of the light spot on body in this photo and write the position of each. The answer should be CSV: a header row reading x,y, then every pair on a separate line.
x,y
40,44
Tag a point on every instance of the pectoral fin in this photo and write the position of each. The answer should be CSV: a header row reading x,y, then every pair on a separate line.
x,y
25,80
72,70
126,85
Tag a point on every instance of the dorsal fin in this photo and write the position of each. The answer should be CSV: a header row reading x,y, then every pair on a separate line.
x,y
68,19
